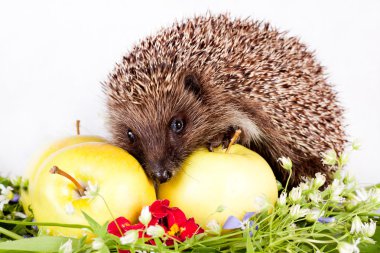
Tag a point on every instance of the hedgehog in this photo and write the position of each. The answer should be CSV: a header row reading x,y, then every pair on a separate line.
x,y
193,84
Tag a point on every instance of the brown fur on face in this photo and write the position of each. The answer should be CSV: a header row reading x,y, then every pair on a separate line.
x,y
247,75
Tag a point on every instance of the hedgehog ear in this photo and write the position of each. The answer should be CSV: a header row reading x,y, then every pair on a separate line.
x,y
192,84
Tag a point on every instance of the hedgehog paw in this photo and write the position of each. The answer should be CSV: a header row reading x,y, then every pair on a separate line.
x,y
223,139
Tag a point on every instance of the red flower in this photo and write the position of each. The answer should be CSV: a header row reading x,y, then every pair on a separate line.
x,y
159,208
179,227
123,225
172,219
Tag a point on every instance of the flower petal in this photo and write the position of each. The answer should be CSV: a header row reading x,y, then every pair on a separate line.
x,y
232,223
159,208
326,219
189,229
122,223
247,216
175,216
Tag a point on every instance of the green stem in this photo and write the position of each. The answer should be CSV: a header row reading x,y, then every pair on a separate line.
x,y
287,181
110,212
10,234
46,224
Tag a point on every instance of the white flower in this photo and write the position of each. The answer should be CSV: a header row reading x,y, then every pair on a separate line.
x,y
97,243
91,190
337,188
314,215
345,247
69,208
374,194
286,163
6,195
356,226
295,194
329,157
145,216
282,199
361,195
129,237
3,201
155,231
319,180
20,215
369,229
213,227
6,191
315,196
67,247
297,212
305,185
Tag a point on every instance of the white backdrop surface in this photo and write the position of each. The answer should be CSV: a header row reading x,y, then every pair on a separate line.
x,y
55,54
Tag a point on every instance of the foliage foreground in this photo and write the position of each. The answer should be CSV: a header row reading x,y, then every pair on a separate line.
x,y
341,217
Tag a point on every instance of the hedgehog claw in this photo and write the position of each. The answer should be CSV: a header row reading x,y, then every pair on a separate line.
x,y
223,139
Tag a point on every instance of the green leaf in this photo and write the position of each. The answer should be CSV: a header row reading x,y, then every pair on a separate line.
x,y
37,244
95,227
249,244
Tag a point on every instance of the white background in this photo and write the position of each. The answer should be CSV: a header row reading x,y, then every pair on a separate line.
x,y
54,55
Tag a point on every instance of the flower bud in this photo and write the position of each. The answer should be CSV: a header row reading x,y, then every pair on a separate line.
x,y
297,212
155,231
145,216
295,194
282,199
286,163
319,180
356,226
129,237
97,243
213,227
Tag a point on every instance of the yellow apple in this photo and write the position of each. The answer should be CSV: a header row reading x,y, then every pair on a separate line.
x,y
32,169
117,175
238,181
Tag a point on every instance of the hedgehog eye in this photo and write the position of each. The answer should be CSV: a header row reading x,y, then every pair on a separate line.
x,y
177,125
131,136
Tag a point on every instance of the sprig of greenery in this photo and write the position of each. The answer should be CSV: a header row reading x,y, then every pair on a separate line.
x,y
13,210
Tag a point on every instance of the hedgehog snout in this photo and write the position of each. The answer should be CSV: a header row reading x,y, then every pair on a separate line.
x,y
159,173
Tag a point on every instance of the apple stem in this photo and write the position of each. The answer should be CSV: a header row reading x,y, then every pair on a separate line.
x,y
56,170
233,139
78,126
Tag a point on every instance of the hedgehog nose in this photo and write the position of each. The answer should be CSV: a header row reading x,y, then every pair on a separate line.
x,y
162,176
